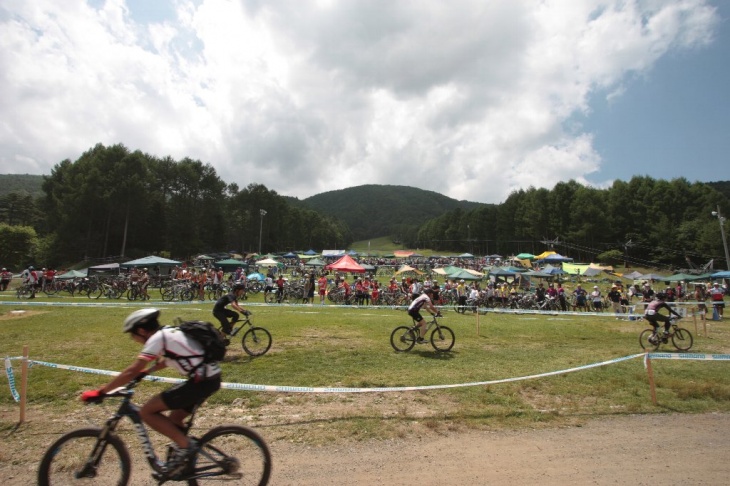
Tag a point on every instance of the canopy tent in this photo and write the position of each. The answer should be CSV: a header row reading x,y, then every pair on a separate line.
x,y
633,275
333,253
315,262
407,269
402,253
463,275
304,256
256,276
525,256
267,262
684,277
537,274
346,264
311,252
465,255
551,270
653,276
106,268
555,258
544,255
495,256
151,261
229,264
290,255
502,272
268,256
723,274
592,272
204,258
72,274
368,268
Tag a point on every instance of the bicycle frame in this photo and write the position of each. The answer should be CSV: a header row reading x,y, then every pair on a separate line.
x,y
243,323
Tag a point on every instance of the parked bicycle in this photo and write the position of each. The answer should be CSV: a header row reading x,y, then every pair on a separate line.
x,y
256,341
442,338
681,338
224,453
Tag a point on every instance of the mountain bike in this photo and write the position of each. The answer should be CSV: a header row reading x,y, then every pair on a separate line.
x,y
256,341
681,338
442,338
224,453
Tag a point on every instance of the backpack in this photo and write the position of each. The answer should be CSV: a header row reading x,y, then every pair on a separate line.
x,y
210,339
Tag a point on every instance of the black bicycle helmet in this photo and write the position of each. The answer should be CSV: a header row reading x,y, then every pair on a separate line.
x,y
140,318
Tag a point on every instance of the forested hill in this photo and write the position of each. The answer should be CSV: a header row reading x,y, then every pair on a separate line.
x,y
30,184
381,210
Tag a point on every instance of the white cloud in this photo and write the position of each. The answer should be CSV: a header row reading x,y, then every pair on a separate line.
x,y
467,98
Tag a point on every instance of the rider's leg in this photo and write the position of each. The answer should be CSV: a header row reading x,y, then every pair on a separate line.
x,y
223,319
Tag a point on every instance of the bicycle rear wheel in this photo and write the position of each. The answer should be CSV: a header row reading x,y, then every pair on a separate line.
x,y
403,339
682,339
78,457
442,339
256,341
644,340
232,453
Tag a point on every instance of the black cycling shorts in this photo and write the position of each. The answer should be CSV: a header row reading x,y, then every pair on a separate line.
x,y
186,396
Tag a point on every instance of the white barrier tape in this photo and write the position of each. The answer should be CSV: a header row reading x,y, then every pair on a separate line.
x,y
11,380
691,356
300,389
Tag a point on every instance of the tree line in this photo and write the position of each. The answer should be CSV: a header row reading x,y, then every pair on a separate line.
x,y
645,222
112,202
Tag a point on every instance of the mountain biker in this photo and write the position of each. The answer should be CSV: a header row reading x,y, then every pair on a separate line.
x,y
423,300
652,315
222,314
162,347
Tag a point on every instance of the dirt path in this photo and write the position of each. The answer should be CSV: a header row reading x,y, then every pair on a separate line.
x,y
639,450
674,449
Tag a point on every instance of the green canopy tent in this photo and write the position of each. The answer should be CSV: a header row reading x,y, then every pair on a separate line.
x,y
315,262
230,264
72,274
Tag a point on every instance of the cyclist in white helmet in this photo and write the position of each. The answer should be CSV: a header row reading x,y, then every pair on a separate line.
x,y
162,347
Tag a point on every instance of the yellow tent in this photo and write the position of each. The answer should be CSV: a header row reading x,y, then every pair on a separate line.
x,y
406,269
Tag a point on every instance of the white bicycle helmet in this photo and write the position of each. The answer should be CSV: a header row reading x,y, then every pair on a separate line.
x,y
139,318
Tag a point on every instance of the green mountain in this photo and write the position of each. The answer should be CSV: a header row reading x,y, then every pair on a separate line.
x,y
381,210
23,183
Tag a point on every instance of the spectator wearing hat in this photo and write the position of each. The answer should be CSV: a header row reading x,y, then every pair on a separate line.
x,y
597,299
717,296
614,296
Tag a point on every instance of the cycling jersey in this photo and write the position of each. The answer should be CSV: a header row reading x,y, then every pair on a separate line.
x,y
419,302
172,341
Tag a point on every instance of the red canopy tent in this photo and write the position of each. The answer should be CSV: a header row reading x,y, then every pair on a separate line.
x,y
346,264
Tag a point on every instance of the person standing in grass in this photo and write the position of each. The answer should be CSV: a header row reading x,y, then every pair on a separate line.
x,y
717,295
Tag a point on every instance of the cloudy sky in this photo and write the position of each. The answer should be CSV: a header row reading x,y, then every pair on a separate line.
x,y
470,98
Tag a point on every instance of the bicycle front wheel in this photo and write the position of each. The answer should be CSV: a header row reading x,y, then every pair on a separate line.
x,y
232,453
644,340
256,341
682,339
80,457
442,339
403,339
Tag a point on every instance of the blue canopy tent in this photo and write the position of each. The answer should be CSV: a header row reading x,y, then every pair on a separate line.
x,y
555,258
256,276
310,252
723,274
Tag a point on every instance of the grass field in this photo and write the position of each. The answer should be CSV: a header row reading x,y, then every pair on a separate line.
x,y
328,346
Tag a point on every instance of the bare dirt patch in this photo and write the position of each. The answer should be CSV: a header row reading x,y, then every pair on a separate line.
x,y
628,449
